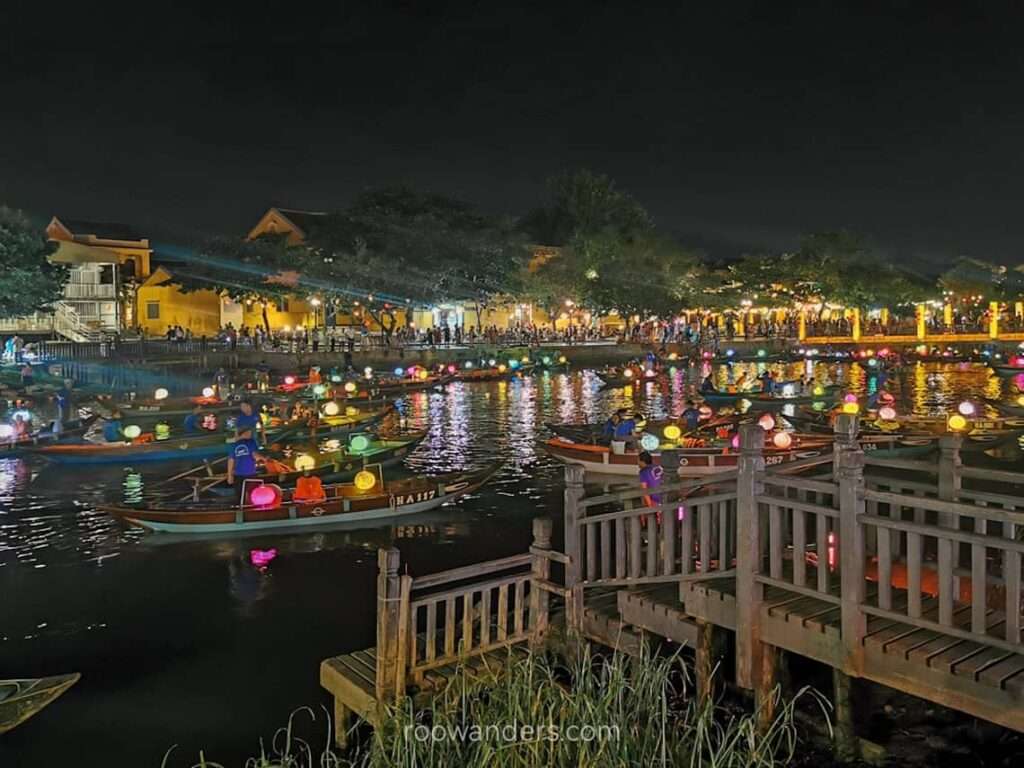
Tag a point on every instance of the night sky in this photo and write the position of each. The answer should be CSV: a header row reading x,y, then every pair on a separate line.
x,y
738,127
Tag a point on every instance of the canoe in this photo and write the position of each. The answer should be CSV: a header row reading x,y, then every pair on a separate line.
x,y
691,462
1007,371
20,699
344,503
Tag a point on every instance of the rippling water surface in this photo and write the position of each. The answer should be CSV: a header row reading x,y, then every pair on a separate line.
x,y
183,642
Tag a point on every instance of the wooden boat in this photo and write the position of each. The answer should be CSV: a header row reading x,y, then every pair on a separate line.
x,y
614,379
71,433
949,358
773,357
1008,409
181,406
343,503
20,699
764,401
600,459
1007,371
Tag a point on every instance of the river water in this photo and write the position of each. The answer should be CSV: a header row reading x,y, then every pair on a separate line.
x,y
184,642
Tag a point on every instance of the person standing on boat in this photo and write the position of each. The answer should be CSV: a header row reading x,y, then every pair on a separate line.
x,y
62,399
768,383
248,420
691,416
708,385
194,421
608,430
625,432
243,455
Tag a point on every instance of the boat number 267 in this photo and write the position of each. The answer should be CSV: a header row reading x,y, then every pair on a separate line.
x,y
413,498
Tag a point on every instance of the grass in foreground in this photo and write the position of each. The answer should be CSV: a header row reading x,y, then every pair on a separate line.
x,y
612,710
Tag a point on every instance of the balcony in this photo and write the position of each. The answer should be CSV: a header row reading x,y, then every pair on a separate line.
x,y
90,291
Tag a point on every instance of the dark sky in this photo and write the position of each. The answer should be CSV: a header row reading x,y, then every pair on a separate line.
x,y
739,125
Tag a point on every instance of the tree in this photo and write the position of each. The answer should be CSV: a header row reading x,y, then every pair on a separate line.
x,y
29,281
397,247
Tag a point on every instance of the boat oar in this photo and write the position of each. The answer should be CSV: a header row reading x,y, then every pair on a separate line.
x,y
205,465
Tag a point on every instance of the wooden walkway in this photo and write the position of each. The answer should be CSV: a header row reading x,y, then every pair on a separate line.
x,y
903,573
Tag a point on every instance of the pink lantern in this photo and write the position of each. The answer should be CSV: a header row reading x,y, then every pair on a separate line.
x,y
736,441
887,413
849,397
289,380
767,422
264,495
782,440
451,369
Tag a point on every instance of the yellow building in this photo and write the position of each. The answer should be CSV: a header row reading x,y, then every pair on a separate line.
x,y
163,304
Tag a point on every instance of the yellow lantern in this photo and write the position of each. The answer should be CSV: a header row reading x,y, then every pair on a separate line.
x,y
672,432
423,375
365,480
957,422
851,408
332,408
304,461
351,411
502,368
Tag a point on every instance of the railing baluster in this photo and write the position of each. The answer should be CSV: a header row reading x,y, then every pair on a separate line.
x,y
704,523
1012,577
606,549
914,572
467,621
635,543
686,543
652,545
520,599
724,559
775,541
799,547
884,543
502,613
431,631
979,580
485,617
591,547
668,542
449,627
620,548
821,548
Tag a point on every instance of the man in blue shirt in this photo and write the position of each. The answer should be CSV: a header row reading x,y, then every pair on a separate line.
x,y
112,428
248,419
625,431
194,421
243,454
608,431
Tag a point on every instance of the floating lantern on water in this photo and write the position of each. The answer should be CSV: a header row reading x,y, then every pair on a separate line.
x,y
672,432
423,375
818,406
263,496
365,480
673,356
207,391
513,364
289,380
332,408
730,352
872,362
782,440
966,408
736,441
673,370
132,431
546,360
304,461
525,359
320,390
336,378
359,443
849,397
766,422
161,394
1020,399
163,431
350,387
452,369
411,370
368,372
628,373
492,362
887,413
957,422
261,558
851,408
649,442
399,371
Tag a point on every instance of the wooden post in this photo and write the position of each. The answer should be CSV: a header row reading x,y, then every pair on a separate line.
x,y
388,597
573,550
541,569
748,556
845,432
845,732
948,552
710,649
850,475
767,693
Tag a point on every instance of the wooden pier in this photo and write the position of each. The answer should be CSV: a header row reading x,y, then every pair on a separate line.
x,y
904,573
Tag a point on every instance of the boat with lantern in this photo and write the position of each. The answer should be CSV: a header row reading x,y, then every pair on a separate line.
x,y
268,506
763,400
629,376
20,699
72,432
695,460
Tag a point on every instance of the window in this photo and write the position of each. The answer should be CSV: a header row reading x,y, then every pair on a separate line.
x,y
152,310
107,274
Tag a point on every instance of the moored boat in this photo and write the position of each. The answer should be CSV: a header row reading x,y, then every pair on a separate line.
x,y
344,502
20,699
71,433
1007,371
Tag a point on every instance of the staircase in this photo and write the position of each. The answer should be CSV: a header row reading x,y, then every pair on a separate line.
x,y
69,324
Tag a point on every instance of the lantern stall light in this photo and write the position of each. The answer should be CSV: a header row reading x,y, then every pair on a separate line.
x,y
957,422
423,375
966,408
766,422
782,440
851,408
289,380
628,373
350,387
207,391
399,371
672,432
887,413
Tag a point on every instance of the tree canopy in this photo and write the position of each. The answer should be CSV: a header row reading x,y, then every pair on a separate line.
x,y
29,281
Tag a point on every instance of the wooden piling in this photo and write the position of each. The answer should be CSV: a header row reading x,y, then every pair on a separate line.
x,y
845,733
388,598
710,650
748,555
540,567
573,549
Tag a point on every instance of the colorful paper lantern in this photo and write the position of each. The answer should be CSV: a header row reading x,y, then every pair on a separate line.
x,y
289,380
368,372
736,441
782,440
966,408
263,496
502,368
161,394
304,461
851,408
628,373
452,369
649,442
492,362
332,408
399,371
359,443
546,360
563,359
513,364
132,431
468,365
423,375
672,432
319,390
849,397
761,353
818,390
364,480
766,422
887,413
336,378
957,422
350,387
207,391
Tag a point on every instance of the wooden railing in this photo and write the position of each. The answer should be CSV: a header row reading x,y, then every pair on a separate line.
x,y
440,619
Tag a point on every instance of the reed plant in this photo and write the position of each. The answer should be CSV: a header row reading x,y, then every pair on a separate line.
x,y
541,710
